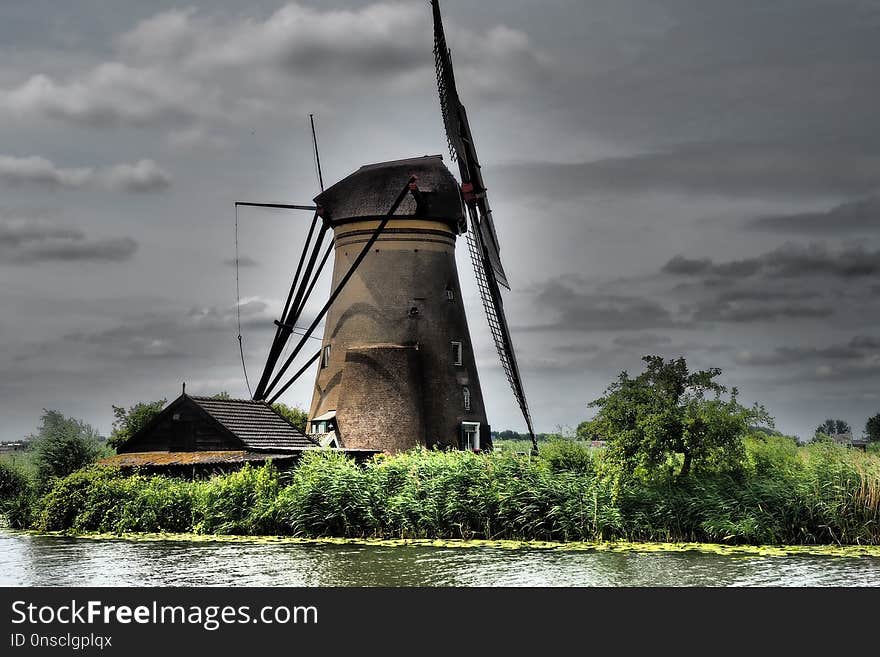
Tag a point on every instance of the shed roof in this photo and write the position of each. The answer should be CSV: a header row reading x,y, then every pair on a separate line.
x,y
370,191
147,459
255,423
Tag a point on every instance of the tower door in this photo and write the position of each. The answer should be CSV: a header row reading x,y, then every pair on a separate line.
x,y
470,436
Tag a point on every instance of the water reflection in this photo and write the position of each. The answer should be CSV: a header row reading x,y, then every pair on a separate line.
x,y
57,561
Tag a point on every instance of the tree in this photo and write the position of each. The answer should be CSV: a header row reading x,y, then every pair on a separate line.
x,y
293,414
669,410
585,431
824,438
832,426
872,428
223,394
128,422
63,445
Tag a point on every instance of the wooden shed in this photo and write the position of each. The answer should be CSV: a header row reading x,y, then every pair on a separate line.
x,y
200,435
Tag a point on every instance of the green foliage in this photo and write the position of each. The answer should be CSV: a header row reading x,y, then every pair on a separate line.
x,y
63,445
327,496
509,434
16,495
128,422
19,510
872,428
293,414
24,461
241,502
667,411
779,494
514,436
584,431
833,426
822,438
12,482
223,394
567,456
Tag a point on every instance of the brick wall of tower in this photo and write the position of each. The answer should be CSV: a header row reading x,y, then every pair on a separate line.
x,y
398,296
381,383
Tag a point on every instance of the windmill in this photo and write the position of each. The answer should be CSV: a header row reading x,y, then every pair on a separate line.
x,y
396,365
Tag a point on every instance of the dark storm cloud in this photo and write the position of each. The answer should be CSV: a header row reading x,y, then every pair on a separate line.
x,y
766,294
576,348
687,266
193,334
859,348
853,361
24,242
16,232
802,69
716,310
112,250
766,302
722,169
788,261
712,169
792,282
574,309
642,340
856,216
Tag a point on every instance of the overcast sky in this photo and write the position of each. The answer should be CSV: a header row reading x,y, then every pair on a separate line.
x,y
680,177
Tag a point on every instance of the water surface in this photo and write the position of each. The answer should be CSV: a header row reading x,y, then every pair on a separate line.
x,y
34,560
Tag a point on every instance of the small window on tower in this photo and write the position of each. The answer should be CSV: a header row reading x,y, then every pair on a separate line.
x,y
325,356
450,293
466,396
456,353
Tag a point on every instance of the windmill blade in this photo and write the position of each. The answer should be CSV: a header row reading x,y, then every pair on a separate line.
x,y
482,238
494,307
463,150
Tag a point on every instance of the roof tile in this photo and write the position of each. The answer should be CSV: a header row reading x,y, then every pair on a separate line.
x,y
257,425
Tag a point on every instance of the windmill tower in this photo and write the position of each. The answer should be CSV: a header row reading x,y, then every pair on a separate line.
x,y
396,366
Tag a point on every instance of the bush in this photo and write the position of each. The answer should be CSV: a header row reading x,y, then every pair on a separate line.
x,y
63,445
241,502
327,496
12,482
780,494
567,456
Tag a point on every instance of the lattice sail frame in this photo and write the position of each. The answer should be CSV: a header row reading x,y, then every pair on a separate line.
x,y
496,327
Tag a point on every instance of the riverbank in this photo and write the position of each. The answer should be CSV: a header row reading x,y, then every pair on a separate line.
x,y
779,494
851,551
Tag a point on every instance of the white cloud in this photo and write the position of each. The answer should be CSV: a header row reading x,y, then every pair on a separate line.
x,y
142,176
111,93
17,231
183,67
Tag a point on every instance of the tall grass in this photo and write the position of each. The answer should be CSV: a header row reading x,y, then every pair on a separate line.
x,y
780,493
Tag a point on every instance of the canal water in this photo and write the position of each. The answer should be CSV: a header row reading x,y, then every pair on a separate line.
x,y
28,560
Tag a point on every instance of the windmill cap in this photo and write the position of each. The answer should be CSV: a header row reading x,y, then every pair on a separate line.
x,y
370,191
